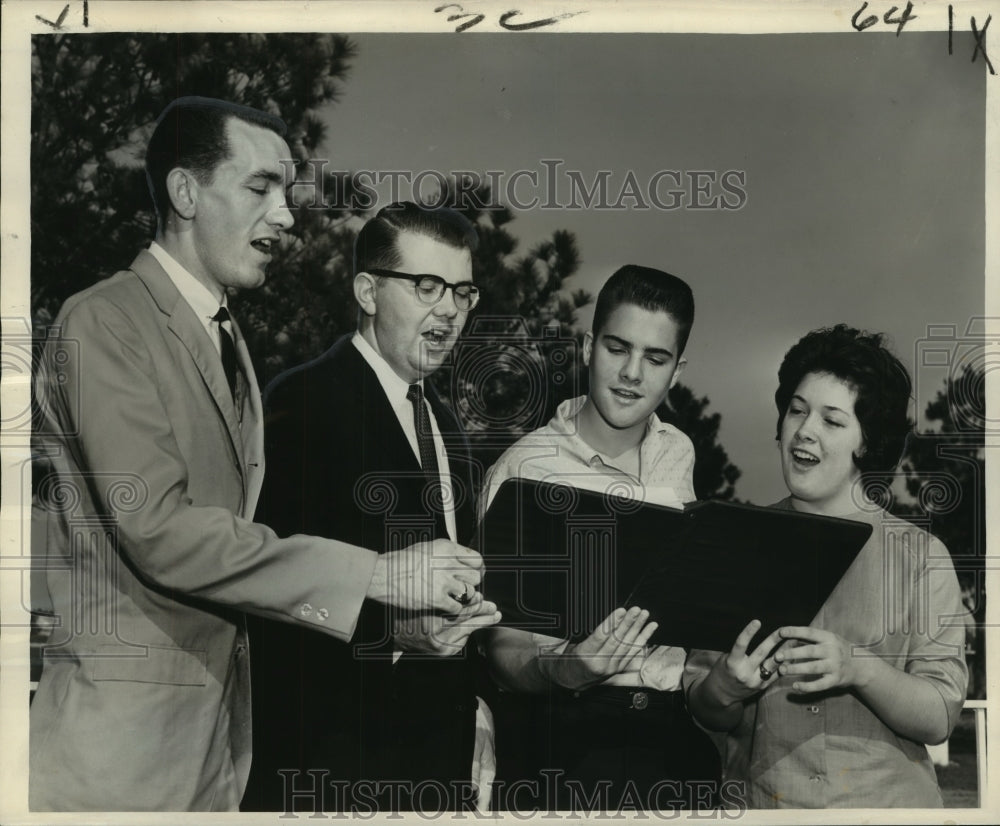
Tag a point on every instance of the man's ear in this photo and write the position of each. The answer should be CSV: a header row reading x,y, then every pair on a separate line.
x,y
182,188
681,364
588,347
364,292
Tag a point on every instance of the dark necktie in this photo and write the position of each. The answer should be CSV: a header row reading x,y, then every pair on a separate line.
x,y
229,363
425,436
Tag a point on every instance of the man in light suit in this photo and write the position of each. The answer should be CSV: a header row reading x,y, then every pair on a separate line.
x,y
347,459
152,422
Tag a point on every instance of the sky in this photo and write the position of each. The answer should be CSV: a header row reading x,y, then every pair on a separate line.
x,y
863,164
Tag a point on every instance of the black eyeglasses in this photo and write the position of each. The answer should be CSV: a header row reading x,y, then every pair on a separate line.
x,y
430,288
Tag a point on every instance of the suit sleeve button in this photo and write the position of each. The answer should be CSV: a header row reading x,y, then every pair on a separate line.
x,y
322,614
306,609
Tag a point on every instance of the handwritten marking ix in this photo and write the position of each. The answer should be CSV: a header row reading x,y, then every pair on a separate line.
x,y
860,24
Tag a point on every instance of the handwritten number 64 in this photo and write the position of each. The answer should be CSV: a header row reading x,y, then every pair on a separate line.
x,y
887,18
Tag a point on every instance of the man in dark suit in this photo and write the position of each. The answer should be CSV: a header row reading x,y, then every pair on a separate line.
x,y
151,425
360,448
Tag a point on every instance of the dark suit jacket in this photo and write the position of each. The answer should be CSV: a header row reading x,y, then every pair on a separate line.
x,y
340,466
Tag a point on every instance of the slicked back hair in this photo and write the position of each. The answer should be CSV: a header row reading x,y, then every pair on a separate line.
x,y
191,133
650,289
375,246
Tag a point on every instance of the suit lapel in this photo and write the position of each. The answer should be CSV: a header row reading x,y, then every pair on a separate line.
x,y
380,419
394,445
184,324
387,438
252,431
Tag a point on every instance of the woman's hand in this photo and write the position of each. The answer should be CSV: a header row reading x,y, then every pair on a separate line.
x,y
608,650
909,704
740,674
716,696
823,657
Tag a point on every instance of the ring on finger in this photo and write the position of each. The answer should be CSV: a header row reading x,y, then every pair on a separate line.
x,y
465,597
765,672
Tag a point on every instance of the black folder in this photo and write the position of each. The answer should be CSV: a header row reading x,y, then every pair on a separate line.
x,y
559,559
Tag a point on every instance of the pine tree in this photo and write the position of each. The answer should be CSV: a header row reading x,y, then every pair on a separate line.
x,y
95,100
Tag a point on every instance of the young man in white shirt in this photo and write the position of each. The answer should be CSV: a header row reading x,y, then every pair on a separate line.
x,y
605,719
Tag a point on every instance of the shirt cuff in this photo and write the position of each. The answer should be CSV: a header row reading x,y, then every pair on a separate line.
x,y
484,765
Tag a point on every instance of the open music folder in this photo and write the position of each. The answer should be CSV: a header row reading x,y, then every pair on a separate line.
x,y
560,559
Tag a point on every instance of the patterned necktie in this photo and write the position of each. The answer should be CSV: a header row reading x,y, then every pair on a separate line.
x,y
229,363
425,436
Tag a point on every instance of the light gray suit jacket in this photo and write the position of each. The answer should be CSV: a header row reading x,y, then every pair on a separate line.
x,y
150,557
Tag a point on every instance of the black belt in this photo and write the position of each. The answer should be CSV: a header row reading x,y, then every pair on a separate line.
x,y
630,697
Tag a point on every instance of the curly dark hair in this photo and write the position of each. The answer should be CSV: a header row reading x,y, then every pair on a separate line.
x,y
880,380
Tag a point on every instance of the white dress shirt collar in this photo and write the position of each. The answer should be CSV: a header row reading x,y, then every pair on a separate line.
x,y
196,294
395,388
